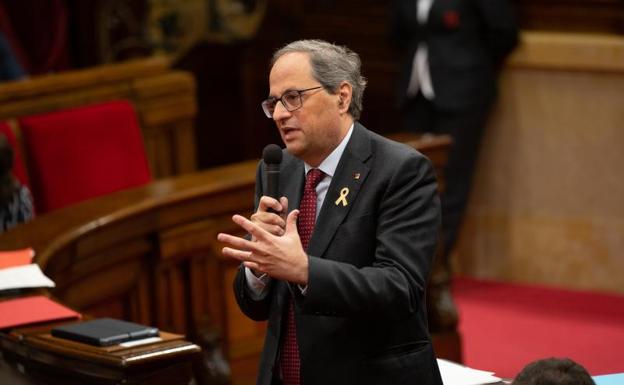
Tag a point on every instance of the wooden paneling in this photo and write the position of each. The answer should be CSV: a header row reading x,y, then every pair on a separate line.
x,y
595,16
559,51
548,200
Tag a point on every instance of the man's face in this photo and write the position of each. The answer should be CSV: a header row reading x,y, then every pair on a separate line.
x,y
313,131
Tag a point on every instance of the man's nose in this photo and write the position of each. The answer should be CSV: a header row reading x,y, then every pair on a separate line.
x,y
280,112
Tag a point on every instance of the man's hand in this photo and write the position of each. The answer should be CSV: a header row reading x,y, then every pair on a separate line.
x,y
281,257
271,214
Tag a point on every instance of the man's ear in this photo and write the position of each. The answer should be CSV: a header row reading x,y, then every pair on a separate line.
x,y
344,96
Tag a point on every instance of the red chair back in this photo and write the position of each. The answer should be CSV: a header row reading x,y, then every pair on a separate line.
x,y
83,152
19,170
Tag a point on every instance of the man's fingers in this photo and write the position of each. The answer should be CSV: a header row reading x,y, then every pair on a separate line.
x,y
261,218
253,266
284,203
256,231
267,203
291,221
241,255
275,230
235,242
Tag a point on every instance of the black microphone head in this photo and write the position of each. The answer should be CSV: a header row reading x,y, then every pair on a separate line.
x,y
272,154
272,157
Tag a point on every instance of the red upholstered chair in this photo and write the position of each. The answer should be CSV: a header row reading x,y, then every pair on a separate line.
x,y
19,170
84,152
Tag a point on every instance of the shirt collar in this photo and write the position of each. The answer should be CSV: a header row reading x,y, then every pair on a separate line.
x,y
329,164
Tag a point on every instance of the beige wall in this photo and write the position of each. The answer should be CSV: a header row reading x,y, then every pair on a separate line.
x,y
548,202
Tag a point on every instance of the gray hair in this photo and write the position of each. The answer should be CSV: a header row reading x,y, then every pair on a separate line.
x,y
331,65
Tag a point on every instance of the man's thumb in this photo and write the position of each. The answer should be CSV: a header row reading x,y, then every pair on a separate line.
x,y
291,221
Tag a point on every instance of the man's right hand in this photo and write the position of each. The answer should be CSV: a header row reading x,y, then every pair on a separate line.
x,y
271,215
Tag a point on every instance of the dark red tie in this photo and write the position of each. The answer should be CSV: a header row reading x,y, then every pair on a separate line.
x,y
305,225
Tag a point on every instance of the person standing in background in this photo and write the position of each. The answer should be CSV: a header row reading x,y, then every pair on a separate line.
x,y
452,53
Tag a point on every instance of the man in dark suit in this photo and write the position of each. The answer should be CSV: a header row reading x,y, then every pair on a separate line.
x,y
341,280
452,52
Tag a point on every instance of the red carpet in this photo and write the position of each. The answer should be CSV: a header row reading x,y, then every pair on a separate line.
x,y
505,326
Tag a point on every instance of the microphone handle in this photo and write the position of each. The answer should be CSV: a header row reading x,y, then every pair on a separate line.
x,y
272,174
272,183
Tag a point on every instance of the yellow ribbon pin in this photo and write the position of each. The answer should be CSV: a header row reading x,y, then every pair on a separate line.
x,y
343,197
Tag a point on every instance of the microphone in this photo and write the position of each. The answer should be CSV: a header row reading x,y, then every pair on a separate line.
x,y
272,156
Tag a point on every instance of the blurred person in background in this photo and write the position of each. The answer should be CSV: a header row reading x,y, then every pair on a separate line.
x,y
452,53
553,371
10,69
15,200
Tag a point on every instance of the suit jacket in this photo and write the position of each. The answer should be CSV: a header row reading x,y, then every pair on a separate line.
x,y
363,318
467,41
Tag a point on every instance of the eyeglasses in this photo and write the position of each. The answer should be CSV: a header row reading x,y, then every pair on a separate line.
x,y
291,100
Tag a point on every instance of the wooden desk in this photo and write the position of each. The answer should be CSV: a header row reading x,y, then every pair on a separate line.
x,y
33,356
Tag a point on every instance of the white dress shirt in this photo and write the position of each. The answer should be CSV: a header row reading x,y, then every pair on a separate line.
x,y
421,77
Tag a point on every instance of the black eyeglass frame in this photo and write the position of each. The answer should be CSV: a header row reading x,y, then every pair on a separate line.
x,y
269,110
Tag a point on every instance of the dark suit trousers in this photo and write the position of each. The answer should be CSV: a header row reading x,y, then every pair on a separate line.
x,y
466,127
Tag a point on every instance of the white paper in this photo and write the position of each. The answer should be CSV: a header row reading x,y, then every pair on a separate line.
x,y
24,276
456,374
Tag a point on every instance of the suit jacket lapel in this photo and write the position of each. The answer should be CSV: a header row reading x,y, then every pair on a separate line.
x,y
350,175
